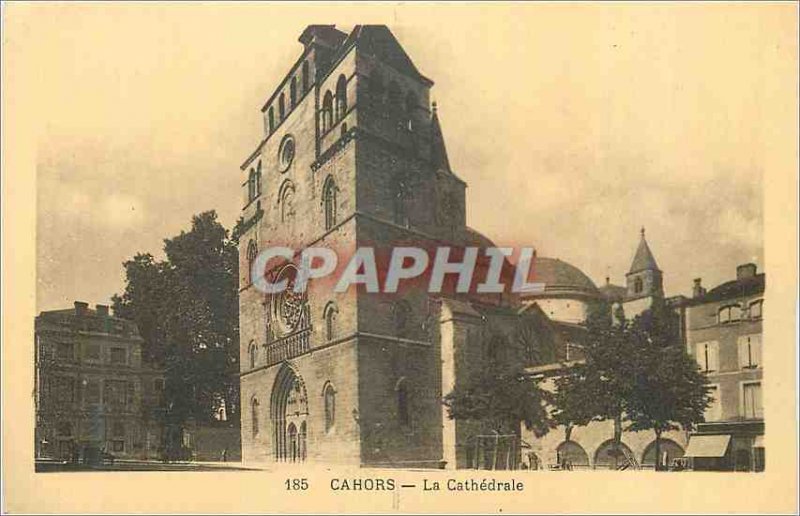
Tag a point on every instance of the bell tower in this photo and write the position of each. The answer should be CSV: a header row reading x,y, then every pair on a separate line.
x,y
644,280
352,156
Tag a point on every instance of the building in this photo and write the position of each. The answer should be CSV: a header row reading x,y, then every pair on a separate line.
x,y
723,329
93,392
353,154
568,299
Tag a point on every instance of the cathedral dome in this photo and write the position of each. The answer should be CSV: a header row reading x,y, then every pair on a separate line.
x,y
568,293
561,277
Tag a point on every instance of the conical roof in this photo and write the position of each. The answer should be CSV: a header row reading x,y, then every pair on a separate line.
x,y
643,260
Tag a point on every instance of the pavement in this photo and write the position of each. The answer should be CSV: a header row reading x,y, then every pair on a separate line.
x,y
44,466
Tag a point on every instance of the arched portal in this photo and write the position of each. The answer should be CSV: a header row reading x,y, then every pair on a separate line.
x,y
289,411
609,456
570,454
668,450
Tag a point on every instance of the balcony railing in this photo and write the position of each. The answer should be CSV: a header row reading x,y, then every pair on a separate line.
x,y
288,346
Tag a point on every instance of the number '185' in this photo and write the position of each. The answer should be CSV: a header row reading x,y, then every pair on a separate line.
x,y
296,484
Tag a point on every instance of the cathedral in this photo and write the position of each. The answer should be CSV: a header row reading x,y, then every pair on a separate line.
x,y
353,155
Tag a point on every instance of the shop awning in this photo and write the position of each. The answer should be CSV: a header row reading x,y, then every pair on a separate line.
x,y
707,445
758,442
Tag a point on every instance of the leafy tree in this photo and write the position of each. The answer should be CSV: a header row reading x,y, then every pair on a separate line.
x,y
634,372
500,394
669,390
597,387
186,307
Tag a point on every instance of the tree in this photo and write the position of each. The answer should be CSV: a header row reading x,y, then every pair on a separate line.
x,y
186,307
669,390
634,372
597,387
500,394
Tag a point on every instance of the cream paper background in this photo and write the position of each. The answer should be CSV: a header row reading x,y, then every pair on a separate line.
x,y
25,66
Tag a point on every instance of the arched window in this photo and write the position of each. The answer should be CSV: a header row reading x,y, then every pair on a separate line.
x,y
293,92
411,110
254,415
271,119
330,407
287,202
305,76
258,180
327,111
301,445
330,321
253,351
251,185
329,202
496,348
282,106
252,252
341,97
403,402
638,286
291,434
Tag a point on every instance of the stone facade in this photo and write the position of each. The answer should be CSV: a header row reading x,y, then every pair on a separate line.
x,y
93,390
724,329
353,156
353,377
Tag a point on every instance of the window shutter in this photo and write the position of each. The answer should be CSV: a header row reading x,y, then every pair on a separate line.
x,y
744,360
755,350
713,356
701,359
758,410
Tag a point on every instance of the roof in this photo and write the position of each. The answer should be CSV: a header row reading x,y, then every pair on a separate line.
x,y
643,259
732,289
378,41
438,149
558,275
87,320
613,292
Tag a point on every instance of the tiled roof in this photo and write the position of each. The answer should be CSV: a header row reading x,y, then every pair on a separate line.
x,y
732,289
613,292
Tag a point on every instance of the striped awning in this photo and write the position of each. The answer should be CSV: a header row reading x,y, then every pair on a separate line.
x,y
707,445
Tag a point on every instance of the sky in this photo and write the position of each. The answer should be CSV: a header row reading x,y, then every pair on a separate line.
x,y
574,125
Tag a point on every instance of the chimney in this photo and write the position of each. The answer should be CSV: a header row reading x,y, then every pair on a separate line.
x,y
81,308
697,289
102,310
745,271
